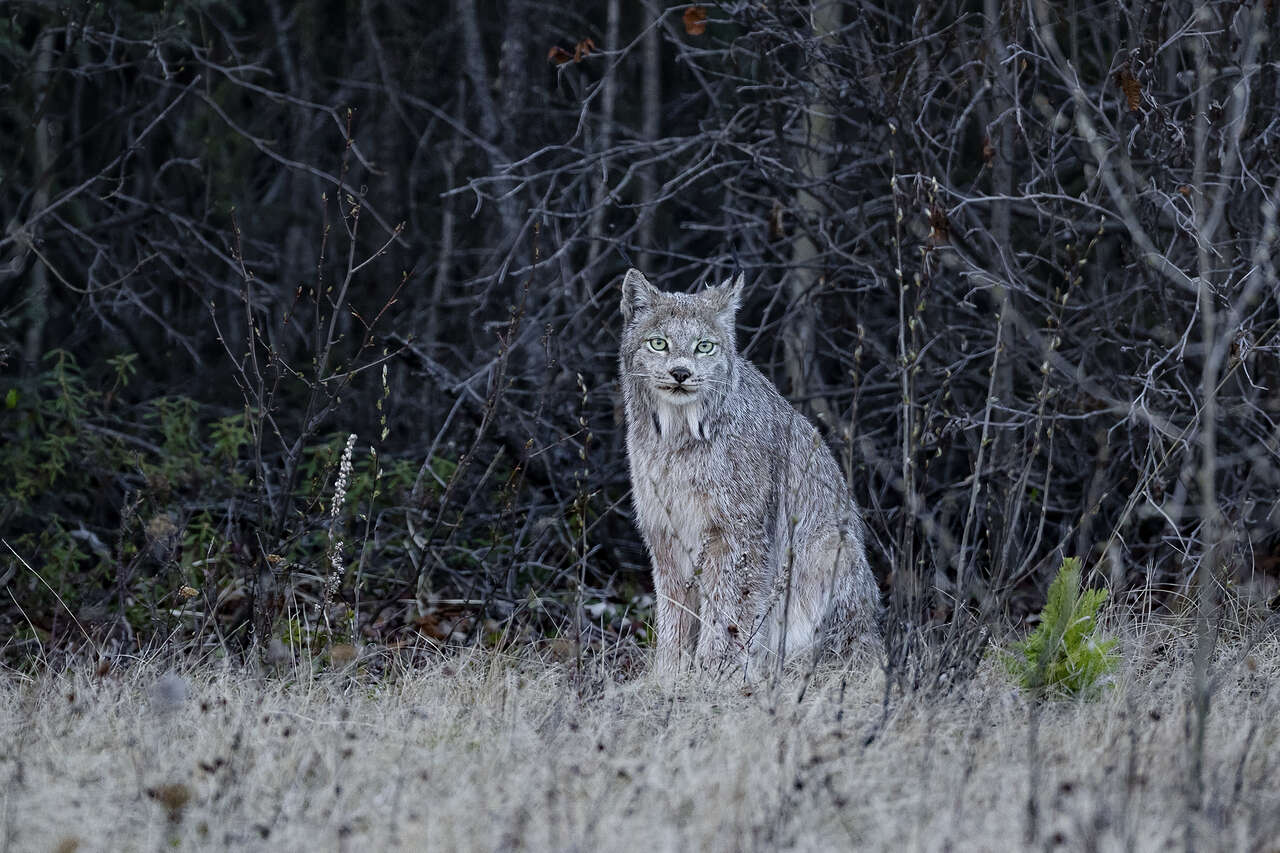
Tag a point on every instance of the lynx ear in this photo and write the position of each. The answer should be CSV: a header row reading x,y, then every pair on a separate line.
x,y
726,298
638,295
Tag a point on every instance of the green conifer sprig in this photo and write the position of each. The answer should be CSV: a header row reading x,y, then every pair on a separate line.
x,y
1064,654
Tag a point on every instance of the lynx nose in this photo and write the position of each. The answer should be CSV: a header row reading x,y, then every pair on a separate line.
x,y
680,374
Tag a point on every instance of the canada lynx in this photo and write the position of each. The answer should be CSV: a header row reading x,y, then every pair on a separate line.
x,y
755,541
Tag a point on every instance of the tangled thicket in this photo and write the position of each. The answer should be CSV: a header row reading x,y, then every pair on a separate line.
x,y
1016,259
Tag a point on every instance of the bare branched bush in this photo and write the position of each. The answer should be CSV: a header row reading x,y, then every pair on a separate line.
x,y
1016,260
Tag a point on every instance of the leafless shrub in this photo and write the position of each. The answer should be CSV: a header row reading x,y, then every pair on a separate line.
x,y
1018,264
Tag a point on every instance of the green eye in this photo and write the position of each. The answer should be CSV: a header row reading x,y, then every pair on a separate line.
x,y
658,344
705,347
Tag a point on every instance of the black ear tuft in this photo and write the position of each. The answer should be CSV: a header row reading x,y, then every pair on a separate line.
x,y
638,295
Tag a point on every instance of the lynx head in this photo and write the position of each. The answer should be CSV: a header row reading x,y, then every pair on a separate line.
x,y
679,346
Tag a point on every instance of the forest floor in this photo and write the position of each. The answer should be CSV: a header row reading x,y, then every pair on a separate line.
x,y
486,751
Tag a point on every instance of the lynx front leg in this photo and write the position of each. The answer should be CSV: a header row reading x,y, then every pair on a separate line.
x,y
676,607
729,582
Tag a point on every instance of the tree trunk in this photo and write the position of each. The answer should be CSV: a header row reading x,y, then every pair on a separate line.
x,y
652,99
488,124
38,300
806,275
608,98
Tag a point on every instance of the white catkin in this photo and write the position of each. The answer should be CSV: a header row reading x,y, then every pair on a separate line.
x,y
340,486
337,566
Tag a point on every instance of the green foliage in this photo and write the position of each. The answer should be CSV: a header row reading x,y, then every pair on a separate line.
x,y
99,490
227,437
118,504
1064,654
176,419
43,431
125,366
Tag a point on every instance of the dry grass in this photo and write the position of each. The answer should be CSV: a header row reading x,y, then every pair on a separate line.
x,y
490,752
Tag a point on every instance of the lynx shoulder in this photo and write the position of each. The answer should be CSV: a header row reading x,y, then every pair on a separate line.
x,y
755,542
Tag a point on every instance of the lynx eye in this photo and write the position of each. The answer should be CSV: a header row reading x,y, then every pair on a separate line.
x,y
657,344
705,347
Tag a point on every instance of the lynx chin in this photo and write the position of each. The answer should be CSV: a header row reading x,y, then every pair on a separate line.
x,y
756,543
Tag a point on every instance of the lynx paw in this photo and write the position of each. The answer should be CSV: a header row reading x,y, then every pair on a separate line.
x,y
722,650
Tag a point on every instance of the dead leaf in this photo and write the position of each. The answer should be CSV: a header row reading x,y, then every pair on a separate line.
x,y
695,20
341,654
939,226
559,56
174,796
1131,87
988,150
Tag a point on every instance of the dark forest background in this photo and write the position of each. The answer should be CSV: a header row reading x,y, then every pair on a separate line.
x,y
1017,260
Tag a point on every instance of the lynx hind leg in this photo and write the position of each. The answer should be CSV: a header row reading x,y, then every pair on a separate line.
x,y
676,608
787,619
851,618
798,601
836,601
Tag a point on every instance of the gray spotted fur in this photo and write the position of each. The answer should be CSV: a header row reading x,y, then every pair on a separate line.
x,y
756,544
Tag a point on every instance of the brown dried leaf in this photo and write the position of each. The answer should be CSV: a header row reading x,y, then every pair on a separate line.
x,y
1131,87
342,654
695,20
583,49
174,796
988,150
559,56
939,226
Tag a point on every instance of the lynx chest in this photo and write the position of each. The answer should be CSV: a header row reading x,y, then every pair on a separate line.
x,y
673,497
